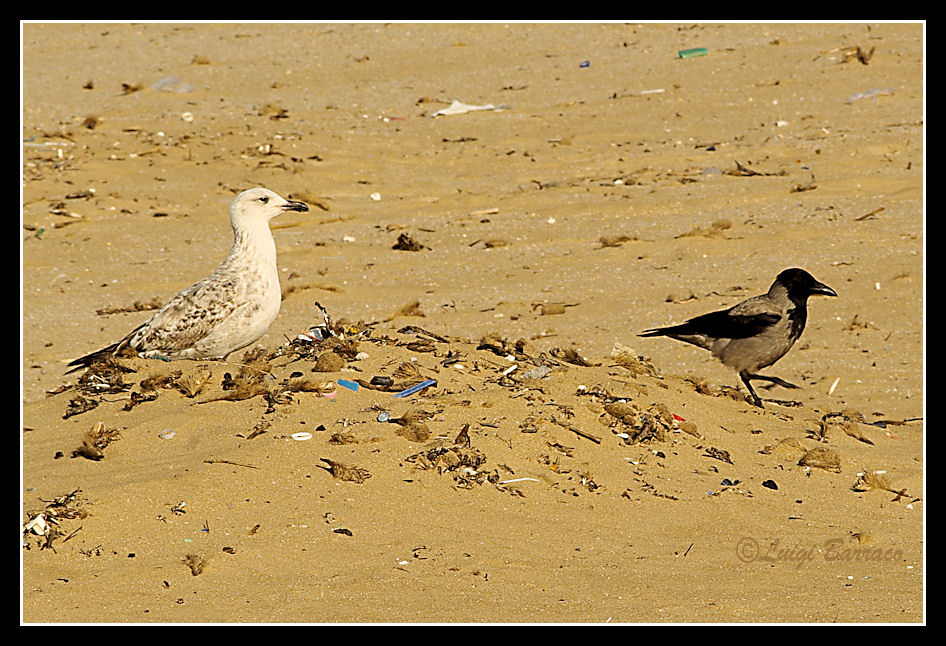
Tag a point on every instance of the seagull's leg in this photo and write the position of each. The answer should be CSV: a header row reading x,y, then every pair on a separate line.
x,y
774,380
745,376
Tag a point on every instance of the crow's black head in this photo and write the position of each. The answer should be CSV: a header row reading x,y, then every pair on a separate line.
x,y
800,284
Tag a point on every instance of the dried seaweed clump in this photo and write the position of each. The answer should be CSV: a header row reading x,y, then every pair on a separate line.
x,y
46,522
463,462
636,364
652,424
95,441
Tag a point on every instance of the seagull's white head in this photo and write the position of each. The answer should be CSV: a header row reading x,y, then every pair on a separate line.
x,y
260,205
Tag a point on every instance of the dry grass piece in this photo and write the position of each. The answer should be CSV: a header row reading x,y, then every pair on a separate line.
x,y
822,458
877,480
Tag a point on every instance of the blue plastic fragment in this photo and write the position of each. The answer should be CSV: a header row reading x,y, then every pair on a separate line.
x,y
407,392
350,385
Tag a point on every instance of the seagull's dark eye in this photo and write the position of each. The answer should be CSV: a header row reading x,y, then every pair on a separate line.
x,y
264,199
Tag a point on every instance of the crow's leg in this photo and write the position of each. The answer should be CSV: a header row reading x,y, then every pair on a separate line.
x,y
774,380
745,376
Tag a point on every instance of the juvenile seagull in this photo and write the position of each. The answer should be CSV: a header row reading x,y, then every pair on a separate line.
x,y
757,332
229,309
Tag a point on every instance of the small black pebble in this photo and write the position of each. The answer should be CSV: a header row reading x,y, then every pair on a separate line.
x,y
770,484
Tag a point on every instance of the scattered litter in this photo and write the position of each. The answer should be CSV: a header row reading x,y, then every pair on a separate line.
x,y
462,108
691,53
384,416
407,392
350,385
833,386
37,525
536,373
584,64
167,434
172,84
869,94
302,436
376,197
518,480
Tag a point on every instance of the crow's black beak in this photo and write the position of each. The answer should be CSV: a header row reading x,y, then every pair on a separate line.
x,y
821,288
295,206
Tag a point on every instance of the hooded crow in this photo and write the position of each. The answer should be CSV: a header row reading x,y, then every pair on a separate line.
x,y
757,332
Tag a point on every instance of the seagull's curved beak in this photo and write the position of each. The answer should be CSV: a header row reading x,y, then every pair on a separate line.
x,y
295,206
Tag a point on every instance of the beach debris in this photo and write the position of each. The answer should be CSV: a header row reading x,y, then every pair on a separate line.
x,y
692,53
847,421
877,480
460,460
193,382
411,425
633,362
822,458
615,240
301,436
78,405
46,523
790,448
154,382
406,243
223,461
329,362
744,171
95,441
458,107
172,84
195,563
576,430
869,94
535,373
167,434
572,356
653,424
719,454
345,472
407,392
770,484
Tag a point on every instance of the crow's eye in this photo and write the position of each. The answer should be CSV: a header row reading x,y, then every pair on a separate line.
x,y
264,199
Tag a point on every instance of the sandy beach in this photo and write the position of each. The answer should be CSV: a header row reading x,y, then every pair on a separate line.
x,y
582,183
